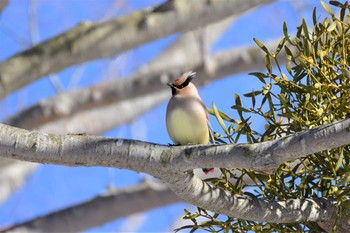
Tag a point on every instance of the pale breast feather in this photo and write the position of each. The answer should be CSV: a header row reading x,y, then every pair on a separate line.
x,y
187,129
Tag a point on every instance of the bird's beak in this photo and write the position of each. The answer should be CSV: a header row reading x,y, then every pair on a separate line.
x,y
173,89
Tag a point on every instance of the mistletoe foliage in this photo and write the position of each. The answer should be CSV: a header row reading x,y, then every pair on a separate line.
x,y
312,89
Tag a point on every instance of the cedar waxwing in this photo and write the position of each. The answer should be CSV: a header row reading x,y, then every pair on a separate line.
x,y
186,116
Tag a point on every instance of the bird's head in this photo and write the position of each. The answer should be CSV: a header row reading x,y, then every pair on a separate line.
x,y
183,85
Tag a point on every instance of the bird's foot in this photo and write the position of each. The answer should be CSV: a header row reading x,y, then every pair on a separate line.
x,y
171,144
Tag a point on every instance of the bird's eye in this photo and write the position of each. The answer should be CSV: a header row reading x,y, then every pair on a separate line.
x,y
184,84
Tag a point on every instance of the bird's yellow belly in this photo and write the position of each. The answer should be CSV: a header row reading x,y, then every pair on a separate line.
x,y
184,128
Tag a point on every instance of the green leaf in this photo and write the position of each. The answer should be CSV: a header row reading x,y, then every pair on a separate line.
x,y
262,46
336,3
240,108
263,101
260,76
289,68
305,29
250,194
238,100
327,8
346,72
268,64
253,93
253,99
314,17
280,46
342,14
285,32
332,27
339,27
307,52
288,52
299,30
220,121
269,130
307,98
283,100
340,159
183,228
223,115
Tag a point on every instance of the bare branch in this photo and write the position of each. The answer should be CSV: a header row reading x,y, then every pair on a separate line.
x,y
67,104
101,209
81,122
155,159
202,194
3,4
185,53
106,118
169,164
93,41
13,174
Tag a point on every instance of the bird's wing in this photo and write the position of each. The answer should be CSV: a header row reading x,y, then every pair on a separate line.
x,y
211,133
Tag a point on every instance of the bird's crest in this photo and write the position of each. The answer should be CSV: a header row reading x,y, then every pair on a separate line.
x,y
184,80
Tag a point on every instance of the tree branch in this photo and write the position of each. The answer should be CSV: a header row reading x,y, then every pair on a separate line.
x,y
93,41
3,4
150,80
185,46
155,159
101,209
202,194
13,174
171,164
105,117
185,53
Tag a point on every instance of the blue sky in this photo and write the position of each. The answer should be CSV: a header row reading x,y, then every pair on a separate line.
x,y
54,187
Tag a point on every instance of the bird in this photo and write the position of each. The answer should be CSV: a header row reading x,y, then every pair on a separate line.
x,y
187,119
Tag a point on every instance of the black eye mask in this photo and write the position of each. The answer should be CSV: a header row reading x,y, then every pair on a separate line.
x,y
184,84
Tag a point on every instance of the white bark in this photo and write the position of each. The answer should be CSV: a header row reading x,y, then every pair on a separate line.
x,y
72,150
200,193
225,63
93,41
13,174
174,164
101,209
104,117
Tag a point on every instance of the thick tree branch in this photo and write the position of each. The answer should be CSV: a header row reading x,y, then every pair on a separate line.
x,y
93,41
202,194
178,52
101,209
155,159
342,224
169,164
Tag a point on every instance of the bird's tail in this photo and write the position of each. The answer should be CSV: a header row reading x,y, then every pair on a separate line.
x,y
207,170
